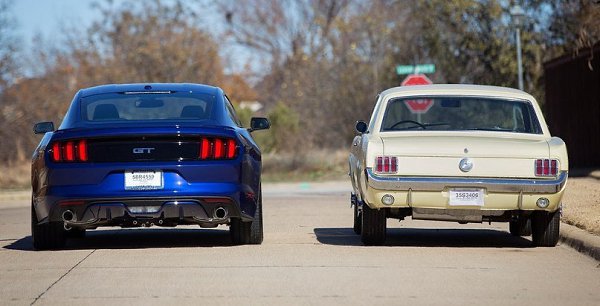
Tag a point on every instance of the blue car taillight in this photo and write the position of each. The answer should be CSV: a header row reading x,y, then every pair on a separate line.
x,y
69,151
217,148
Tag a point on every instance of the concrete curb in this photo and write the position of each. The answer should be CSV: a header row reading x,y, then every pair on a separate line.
x,y
8,195
580,240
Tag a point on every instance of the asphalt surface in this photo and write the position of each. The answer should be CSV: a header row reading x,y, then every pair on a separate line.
x,y
310,256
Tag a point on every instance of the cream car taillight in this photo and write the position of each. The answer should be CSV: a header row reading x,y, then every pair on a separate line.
x,y
546,167
386,164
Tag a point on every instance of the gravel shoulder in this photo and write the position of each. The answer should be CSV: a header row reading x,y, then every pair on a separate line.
x,y
581,204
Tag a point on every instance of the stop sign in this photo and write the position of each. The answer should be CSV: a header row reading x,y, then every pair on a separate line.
x,y
419,106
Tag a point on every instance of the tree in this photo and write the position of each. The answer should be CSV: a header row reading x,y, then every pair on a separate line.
x,y
328,59
148,42
574,25
8,45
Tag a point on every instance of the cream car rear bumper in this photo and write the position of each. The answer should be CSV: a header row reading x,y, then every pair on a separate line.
x,y
490,184
432,192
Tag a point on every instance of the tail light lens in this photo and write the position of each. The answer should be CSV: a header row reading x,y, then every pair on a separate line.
x,y
217,148
386,164
231,148
56,155
546,167
82,150
69,151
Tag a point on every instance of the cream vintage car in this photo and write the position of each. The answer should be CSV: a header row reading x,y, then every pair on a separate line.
x,y
463,153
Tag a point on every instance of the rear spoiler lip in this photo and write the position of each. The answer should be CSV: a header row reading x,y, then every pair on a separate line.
x,y
119,132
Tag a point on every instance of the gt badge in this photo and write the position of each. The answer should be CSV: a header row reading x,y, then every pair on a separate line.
x,y
142,150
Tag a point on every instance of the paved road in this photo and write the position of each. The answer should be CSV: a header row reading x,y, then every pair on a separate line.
x,y
310,256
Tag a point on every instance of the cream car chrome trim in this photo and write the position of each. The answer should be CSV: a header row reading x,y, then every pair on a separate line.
x,y
405,183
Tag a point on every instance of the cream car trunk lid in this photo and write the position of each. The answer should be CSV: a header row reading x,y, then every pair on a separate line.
x,y
440,155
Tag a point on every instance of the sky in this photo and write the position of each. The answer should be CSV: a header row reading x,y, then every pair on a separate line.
x,y
50,17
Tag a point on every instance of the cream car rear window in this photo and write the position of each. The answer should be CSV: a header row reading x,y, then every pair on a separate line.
x,y
460,114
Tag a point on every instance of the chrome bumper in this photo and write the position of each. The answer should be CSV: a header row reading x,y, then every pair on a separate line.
x,y
404,183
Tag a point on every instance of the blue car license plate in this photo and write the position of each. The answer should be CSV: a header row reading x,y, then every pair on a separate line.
x,y
143,180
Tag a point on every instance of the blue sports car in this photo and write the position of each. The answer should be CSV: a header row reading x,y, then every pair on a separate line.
x,y
141,155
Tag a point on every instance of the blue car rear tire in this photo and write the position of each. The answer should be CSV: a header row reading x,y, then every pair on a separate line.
x,y
248,232
46,236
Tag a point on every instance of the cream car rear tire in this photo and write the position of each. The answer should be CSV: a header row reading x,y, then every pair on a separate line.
x,y
357,220
520,227
545,228
373,227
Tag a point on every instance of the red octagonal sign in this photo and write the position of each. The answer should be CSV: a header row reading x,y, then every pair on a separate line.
x,y
419,106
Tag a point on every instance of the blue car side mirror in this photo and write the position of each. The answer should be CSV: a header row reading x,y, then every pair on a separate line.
x,y
43,127
259,123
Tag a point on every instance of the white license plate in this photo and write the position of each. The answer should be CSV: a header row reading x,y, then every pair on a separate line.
x,y
466,197
143,180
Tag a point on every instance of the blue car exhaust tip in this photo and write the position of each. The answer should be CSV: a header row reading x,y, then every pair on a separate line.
x,y
220,213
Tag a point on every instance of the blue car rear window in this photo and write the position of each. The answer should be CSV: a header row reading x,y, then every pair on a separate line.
x,y
147,106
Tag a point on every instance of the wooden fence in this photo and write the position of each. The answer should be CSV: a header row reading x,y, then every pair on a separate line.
x,y
572,106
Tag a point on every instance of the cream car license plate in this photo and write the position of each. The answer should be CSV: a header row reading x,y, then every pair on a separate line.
x,y
143,180
466,197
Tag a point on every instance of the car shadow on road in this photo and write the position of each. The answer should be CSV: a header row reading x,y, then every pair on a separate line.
x,y
425,237
139,239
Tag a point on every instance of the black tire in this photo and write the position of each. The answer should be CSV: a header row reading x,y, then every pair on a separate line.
x,y
520,227
357,220
545,228
47,236
248,232
373,227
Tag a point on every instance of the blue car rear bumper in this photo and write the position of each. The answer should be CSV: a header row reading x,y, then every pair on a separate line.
x,y
191,193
